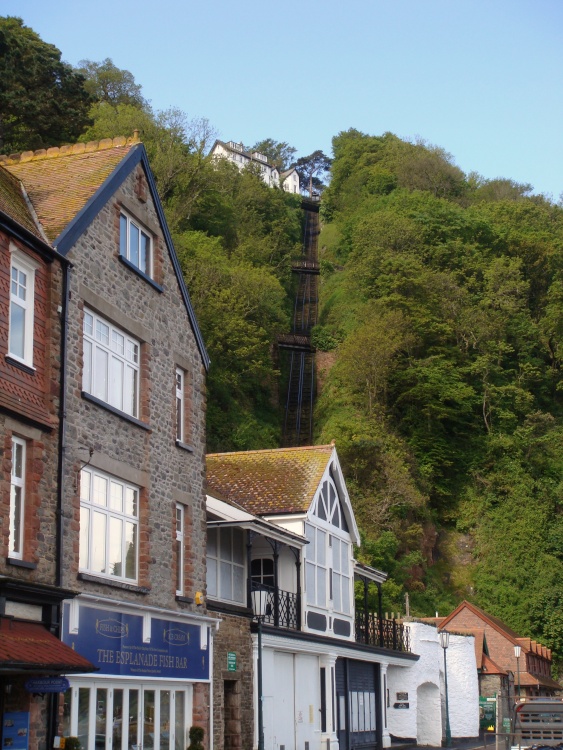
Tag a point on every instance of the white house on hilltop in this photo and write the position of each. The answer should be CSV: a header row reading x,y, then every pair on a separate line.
x,y
241,157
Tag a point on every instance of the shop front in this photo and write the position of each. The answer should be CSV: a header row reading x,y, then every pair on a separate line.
x,y
153,681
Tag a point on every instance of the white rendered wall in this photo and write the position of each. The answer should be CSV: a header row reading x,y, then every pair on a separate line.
x,y
423,681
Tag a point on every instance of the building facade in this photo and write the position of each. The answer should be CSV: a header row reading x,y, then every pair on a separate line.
x,y
32,314
238,155
133,505
280,576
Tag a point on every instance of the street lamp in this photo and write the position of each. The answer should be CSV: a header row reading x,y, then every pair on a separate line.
x,y
517,652
444,643
259,603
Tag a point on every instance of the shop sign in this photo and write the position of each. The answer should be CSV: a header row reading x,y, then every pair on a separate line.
x,y
401,704
113,642
47,685
15,730
487,713
231,661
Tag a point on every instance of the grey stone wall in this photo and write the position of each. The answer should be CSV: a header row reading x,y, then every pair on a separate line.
x,y
145,454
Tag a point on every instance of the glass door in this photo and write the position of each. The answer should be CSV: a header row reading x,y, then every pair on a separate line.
x,y
119,716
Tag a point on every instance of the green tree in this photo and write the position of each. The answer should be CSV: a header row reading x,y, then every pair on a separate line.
x,y
105,82
278,153
43,101
312,169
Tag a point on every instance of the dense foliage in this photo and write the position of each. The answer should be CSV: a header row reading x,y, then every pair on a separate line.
x,y
441,305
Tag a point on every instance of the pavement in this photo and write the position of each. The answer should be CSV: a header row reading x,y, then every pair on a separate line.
x,y
486,741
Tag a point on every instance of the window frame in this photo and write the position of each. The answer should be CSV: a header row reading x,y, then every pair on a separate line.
x,y
216,592
180,388
16,546
125,249
87,530
180,535
23,264
90,371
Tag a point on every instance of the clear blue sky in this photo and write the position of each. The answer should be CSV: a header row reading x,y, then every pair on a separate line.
x,y
481,78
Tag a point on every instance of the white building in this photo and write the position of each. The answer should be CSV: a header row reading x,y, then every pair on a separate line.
x,y
238,155
416,700
280,523
290,180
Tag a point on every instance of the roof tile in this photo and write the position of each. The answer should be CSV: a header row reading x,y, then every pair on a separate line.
x,y
267,482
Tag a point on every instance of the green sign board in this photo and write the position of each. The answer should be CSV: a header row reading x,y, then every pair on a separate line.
x,y
487,713
506,725
231,661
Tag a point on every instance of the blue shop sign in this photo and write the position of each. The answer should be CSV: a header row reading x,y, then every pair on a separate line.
x,y
47,685
113,642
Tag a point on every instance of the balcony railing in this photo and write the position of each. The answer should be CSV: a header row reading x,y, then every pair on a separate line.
x,y
281,608
374,631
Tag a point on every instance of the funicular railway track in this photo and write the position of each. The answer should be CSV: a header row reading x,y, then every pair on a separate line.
x,y
298,420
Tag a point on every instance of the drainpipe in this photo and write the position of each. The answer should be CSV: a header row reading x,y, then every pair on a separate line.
x,y
53,712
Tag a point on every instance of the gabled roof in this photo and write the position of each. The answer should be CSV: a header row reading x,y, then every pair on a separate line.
x,y
282,480
68,186
490,667
278,482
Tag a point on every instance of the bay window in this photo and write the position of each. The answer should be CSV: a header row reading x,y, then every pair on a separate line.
x,y
225,565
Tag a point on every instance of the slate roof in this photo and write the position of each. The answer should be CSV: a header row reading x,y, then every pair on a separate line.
x,y
269,482
29,647
60,181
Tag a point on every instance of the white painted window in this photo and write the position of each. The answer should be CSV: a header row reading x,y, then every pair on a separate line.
x,y
315,565
341,583
225,565
135,244
180,538
17,498
180,406
22,297
109,526
111,364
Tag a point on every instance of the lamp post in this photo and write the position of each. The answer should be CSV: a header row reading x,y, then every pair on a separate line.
x,y
259,608
517,652
444,643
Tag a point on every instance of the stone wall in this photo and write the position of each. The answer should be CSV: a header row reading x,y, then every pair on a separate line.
x,y
233,698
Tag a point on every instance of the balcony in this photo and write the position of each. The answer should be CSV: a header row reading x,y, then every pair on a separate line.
x,y
372,630
282,609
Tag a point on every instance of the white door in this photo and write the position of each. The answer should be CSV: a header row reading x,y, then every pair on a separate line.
x,y
123,716
284,702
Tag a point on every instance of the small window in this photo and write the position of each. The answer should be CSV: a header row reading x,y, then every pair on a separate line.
x,y
22,296
262,571
111,364
179,549
109,526
17,498
180,407
135,244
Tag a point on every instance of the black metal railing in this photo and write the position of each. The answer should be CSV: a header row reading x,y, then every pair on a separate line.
x,y
281,608
374,631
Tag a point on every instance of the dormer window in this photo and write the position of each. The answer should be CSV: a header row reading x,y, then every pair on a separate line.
x,y
135,244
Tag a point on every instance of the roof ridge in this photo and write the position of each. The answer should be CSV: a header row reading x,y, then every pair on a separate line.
x,y
76,148
273,450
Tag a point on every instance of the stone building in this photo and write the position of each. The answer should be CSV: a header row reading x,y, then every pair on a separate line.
x,y
32,283
133,504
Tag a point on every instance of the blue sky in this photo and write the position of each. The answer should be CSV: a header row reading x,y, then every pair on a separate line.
x,y
481,78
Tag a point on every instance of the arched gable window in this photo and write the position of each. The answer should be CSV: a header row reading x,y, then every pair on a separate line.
x,y
327,568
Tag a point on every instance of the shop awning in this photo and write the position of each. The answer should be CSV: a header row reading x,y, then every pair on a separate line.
x,y
28,647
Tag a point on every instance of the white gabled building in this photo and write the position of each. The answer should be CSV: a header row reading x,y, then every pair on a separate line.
x,y
290,180
241,157
280,523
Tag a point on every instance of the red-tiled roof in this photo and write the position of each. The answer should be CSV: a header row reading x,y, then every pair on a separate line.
x,y
266,482
29,647
60,181
491,667
13,203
